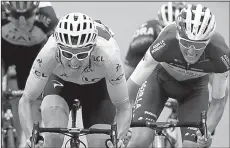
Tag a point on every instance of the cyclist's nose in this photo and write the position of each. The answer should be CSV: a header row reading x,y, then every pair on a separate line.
x,y
191,51
74,61
22,21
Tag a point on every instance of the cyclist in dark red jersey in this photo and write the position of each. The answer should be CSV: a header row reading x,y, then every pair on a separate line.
x,y
177,65
146,34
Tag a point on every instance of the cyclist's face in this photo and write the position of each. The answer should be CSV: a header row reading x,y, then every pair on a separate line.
x,y
192,50
75,58
23,23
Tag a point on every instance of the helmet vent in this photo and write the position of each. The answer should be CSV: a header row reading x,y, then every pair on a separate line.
x,y
66,38
65,25
84,25
78,27
82,38
71,26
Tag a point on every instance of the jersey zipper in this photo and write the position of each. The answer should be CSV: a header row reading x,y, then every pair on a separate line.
x,y
187,66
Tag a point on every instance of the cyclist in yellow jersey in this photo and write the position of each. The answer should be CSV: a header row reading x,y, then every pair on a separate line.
x,y
178,65
80,60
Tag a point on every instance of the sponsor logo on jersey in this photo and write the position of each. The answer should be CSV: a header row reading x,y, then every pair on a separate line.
x,y
225,60
57,83
88,69
90,80
139,96
44,19
158,46
143,31
118,67
39,74
150,113
39,61
14,34
98,60
117,80
64,75
192,128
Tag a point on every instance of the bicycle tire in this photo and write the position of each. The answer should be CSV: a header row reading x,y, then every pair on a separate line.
x,y
10,139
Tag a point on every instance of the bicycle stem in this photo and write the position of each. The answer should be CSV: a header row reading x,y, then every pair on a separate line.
x,y
204,130
114,134
35,133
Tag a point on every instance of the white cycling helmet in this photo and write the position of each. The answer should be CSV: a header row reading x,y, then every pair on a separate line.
x,y
76,30
196,22
169,11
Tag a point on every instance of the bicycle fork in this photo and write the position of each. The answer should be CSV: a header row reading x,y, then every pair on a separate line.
x,y
74,143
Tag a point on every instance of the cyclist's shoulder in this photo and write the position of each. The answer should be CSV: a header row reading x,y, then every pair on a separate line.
x,y
104,31
166,43
217,43
105,51
48,53
46,17
218,52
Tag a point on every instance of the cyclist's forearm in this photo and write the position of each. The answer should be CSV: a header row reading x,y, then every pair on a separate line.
x,y
215,113
25,116
123,119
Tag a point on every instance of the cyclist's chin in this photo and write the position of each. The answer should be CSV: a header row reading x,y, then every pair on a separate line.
x,y
191,59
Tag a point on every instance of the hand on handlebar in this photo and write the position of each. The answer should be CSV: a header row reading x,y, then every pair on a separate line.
x,y
39,142
201,142
109,144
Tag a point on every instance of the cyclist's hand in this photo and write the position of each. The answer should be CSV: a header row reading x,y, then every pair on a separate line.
x,y
39,142
171,120
127,138
109,144
201,143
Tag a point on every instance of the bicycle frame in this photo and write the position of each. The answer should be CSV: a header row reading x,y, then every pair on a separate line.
x,y
74,141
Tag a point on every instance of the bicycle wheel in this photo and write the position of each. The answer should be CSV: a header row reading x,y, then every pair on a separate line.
x,y
10,139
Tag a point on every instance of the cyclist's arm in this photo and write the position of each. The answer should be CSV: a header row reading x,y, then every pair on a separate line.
x,y
219,98
35,84
128,70
118,92
140,74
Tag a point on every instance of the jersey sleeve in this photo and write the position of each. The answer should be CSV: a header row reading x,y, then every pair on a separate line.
x,y
115,80
219,53
143,37
220,84
41,69
159,47
47,18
